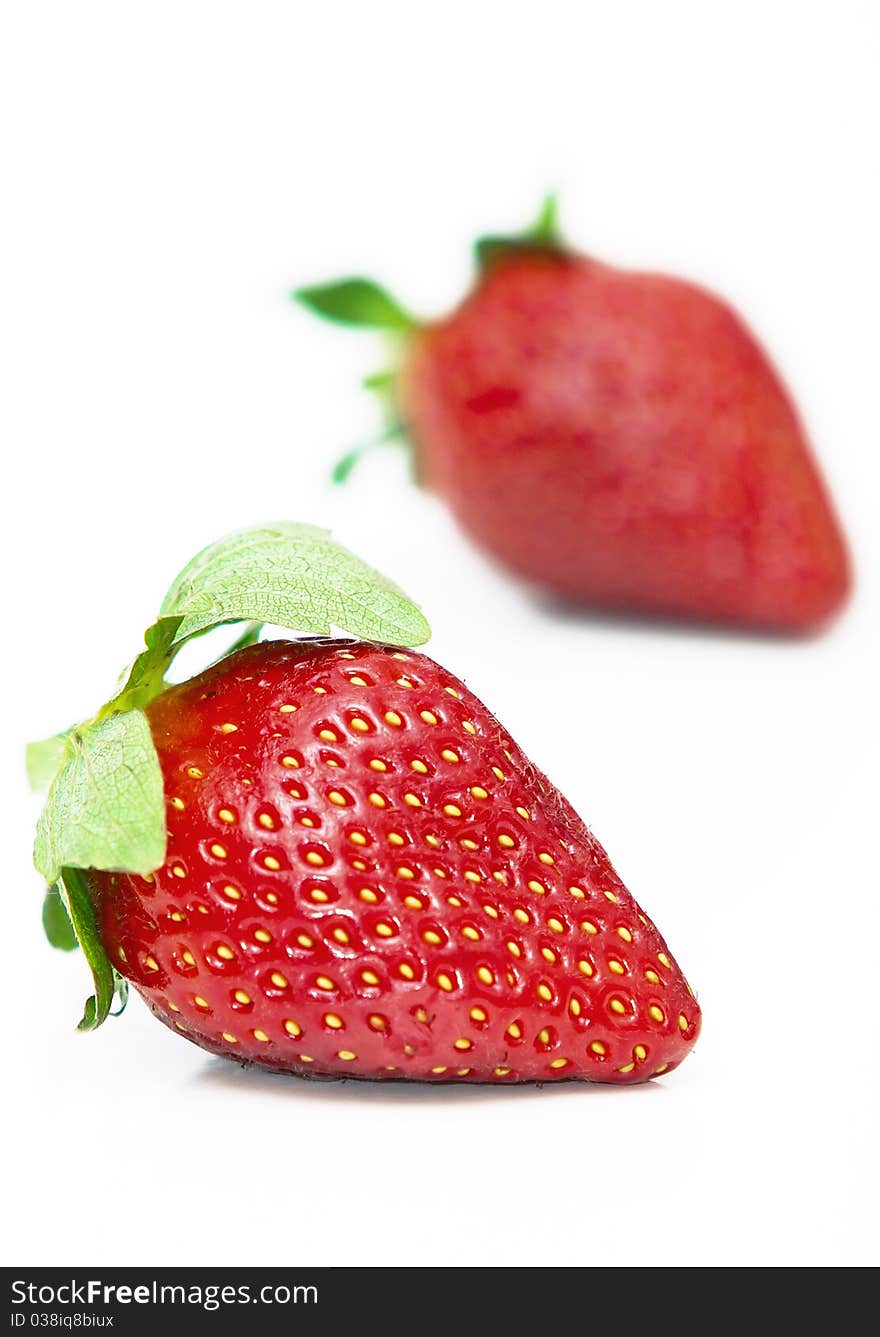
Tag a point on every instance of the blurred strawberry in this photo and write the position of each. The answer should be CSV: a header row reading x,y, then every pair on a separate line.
x,y
618,439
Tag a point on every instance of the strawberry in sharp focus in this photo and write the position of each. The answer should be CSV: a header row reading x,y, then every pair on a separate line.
x,y
365,876
326,856
616,438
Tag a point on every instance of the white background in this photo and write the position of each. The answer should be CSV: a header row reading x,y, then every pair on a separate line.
x,y
170,170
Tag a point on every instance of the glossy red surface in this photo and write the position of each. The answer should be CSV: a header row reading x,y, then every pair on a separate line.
x,y
621,440
367,877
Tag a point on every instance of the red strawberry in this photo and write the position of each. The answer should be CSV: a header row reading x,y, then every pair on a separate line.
x,y
366,877
616,438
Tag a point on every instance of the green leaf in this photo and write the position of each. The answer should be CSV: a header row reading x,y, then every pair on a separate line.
x,y
542,235
145,678
106,807
357,302
43,761
56,921
293,576
82,915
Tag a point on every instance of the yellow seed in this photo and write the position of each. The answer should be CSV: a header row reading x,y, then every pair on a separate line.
x,y
261,1036
347,1055
359,725
188,958
431,937
267,821
578,893
314,858
514,1030
467,844
616,968
556,925
462,1072
652,977
523,916
448,755
226,816
545,992
377,800
558,1062
574,1008
597,1047
272,897
507,841
501,1072
478,1014
471,876
664,960
370,977
544,1037
177,803
173,1006
368,895
287,709
412,800
546,858
377,1022
490,911
305,1058
278,979
610,896
241,997
384,930
452,810
445,983
548,954
229,728
406,971
405,682
463,1044
195,773
273,865
293,1028
225,953
428,716
358,681
588,927
230,1038
468,727
377,765
485,976
682,1022
394,838
392,718
662,1068
406,873
335,1023
453,692
537,887
324,982
262,936
479,792
655,1013
418,766
357,838
499,774
290,762
339,799
514,949
340,935
218,851
524,814
471,933
627,1067
641,1053
500,877
200,1001
178,870
617,1006
625,934
413,903
438,1071
328,736
585,968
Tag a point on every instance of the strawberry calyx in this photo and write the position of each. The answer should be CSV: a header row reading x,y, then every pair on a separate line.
x,y
362,304
105,806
